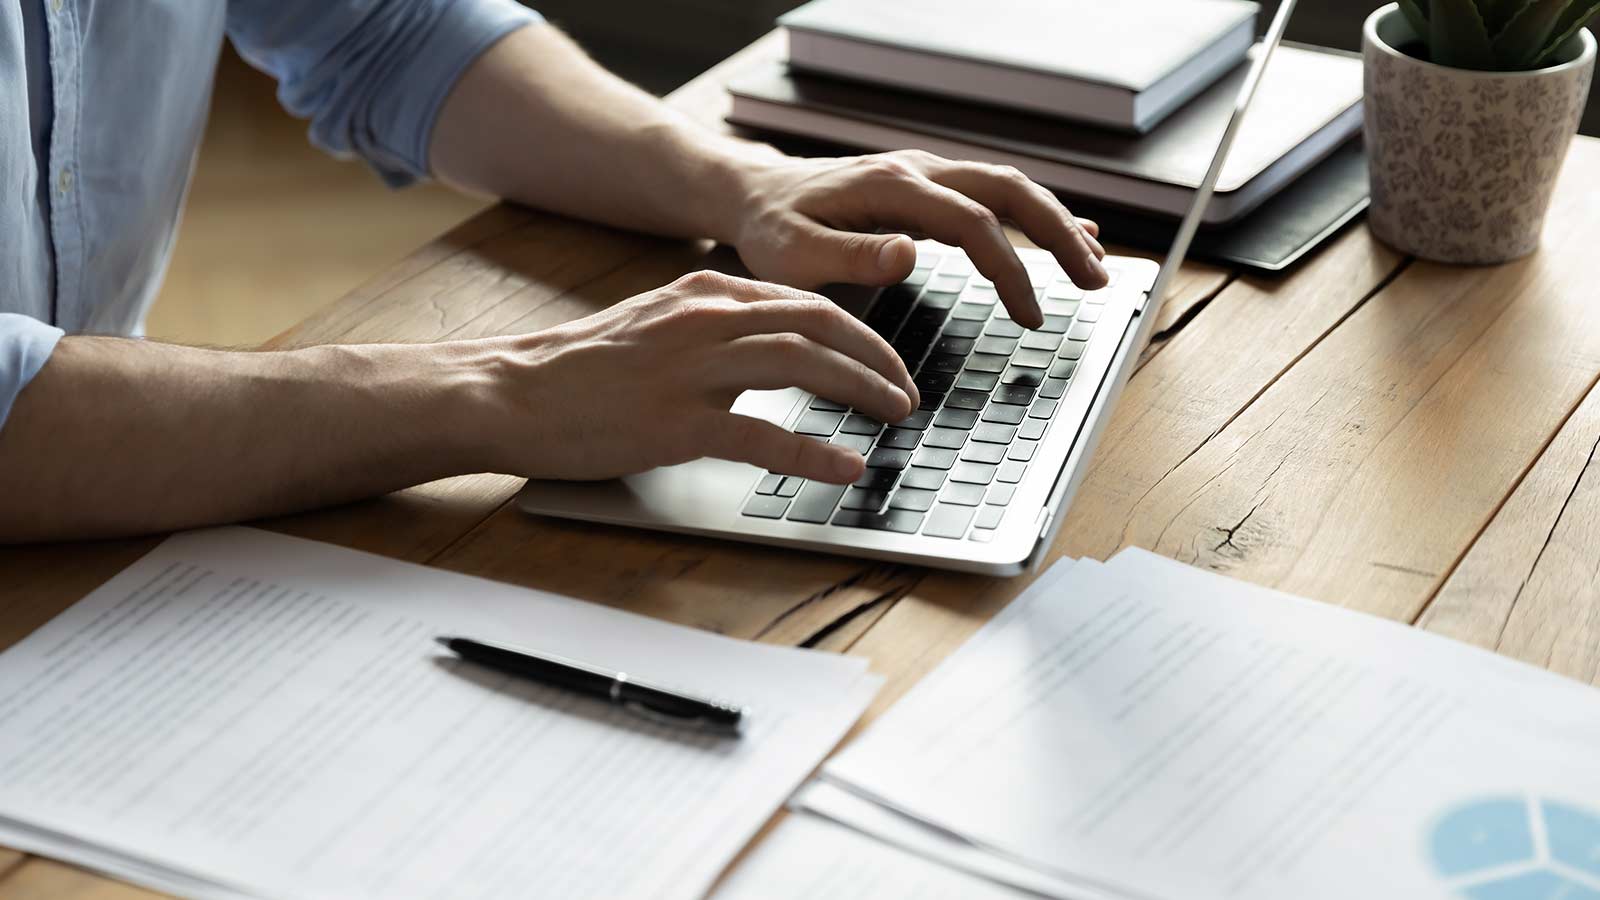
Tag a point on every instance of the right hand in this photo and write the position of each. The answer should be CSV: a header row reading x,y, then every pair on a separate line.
x,y
649,382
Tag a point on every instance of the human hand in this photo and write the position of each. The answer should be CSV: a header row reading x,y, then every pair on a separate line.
x,y
649,382
808,222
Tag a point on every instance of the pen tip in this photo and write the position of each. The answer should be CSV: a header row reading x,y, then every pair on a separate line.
x,y
443,642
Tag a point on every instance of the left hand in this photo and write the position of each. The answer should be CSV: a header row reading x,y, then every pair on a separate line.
x,y
808,222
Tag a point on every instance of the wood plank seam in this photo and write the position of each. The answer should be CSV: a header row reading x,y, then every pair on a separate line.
x,y
887,598
1555,523
1160,338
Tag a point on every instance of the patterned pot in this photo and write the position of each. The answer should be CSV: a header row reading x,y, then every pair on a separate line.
x,y
1463,162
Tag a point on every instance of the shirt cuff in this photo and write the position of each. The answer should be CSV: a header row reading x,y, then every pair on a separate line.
x,y
461,34
25,345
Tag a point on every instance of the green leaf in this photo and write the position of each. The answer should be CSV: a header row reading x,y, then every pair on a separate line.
x,y
1527,35
1574,18
1496,13
1416,17
1457,37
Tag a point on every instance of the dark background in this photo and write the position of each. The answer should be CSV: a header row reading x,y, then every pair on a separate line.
x,y
659,44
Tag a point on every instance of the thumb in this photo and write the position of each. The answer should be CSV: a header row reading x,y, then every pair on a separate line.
x,y
826,255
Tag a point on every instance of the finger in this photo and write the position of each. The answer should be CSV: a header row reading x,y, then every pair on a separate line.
x,y
1090,226
769,362
822,321
1035,210
828,255
760,443
951,217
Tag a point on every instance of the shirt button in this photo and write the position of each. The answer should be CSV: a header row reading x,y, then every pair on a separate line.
x,y
64,181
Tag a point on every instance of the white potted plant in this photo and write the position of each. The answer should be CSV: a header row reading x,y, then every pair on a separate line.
x,y
1470,108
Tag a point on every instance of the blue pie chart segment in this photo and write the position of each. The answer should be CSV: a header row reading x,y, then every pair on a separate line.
x,y
1483,835
1493,849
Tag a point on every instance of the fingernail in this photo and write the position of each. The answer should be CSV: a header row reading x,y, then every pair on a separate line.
x,y
887,253
1098,269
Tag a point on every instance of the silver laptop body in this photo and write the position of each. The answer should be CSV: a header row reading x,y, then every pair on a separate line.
x,y
1006,485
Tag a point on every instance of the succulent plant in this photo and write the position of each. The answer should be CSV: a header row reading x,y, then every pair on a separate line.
x,y
1496,35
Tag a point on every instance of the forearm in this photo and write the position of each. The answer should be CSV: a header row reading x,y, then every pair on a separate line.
x,y
536,121
116,437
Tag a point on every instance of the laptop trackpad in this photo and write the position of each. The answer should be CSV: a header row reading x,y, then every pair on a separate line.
x,y
774,406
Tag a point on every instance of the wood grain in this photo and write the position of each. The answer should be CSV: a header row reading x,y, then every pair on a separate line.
x,y
1530,586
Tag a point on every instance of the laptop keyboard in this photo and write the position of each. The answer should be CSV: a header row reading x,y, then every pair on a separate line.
x,y
989,389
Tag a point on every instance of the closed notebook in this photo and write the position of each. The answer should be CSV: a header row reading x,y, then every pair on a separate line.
x,y
1124,65
1309,103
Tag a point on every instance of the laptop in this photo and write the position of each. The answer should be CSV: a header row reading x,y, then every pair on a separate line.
x,y
979,478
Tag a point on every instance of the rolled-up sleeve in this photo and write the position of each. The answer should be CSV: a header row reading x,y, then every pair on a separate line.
x,y
371,75
25,346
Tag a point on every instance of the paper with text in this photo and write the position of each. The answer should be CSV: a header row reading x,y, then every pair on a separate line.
x,y
271,714
1174,733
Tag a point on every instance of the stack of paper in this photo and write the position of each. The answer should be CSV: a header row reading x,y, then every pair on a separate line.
x,y
1145,729
242,714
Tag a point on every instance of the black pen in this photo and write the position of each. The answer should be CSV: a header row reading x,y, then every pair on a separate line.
x,y
657,704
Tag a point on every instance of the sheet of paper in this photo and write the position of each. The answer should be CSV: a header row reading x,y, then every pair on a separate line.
x,y
1173,733
838,804
807,857
271,715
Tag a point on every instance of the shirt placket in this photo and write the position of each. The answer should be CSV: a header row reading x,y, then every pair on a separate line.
x,y
66,216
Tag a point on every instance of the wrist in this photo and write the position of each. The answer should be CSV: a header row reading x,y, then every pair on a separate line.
x,y
732,172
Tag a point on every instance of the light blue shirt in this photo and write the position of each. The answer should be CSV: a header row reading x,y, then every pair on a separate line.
x,y
103,103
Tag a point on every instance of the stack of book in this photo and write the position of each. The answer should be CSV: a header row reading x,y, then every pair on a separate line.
x,y
1116,106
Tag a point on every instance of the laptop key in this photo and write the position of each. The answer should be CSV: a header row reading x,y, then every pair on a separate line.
x,y
1080,331
1053,388
989,517
1022,451
816,422
826,405
944,438
877,479
1063,368
986,362
923,478
859,424
958,346
914,499
769,484
974,312
931,400
1016,375
961,399
900,520
860,443
962,494
1033,359
998,345
1006,415
1042,340
934,458
948,521
959,327
1033,429
981,535
1003,329
977,381
815,502
963,419
934,381
902,438
1042,409
994,433
1001,494
938,301
1014,394
1010,471
1090,313
766,507
972,473
1055,324
943,363
917,420
864,498
791,486
983,453
889,458
1072,350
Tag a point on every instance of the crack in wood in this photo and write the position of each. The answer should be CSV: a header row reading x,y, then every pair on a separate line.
x,y
1228,533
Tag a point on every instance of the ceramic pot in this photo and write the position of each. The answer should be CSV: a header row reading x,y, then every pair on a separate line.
x,y
1463,162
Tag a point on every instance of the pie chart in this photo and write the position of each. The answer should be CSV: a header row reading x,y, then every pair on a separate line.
x,y
1518,848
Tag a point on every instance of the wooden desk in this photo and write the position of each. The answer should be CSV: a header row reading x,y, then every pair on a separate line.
x,y
1413,440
